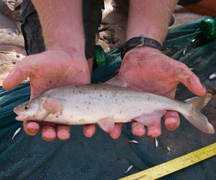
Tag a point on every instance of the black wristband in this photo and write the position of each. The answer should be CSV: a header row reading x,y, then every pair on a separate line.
x,y
139,41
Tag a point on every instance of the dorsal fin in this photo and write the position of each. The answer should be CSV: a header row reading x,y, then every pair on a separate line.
x,y
117,81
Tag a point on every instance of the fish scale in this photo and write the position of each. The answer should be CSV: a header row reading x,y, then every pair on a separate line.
x,y
106,101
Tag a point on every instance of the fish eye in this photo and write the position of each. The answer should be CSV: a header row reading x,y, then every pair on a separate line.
x,y
26,107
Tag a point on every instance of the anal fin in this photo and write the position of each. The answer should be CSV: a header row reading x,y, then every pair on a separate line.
x,y
147,119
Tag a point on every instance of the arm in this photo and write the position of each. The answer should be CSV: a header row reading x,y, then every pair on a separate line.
x,y
61,24
150,18
147,69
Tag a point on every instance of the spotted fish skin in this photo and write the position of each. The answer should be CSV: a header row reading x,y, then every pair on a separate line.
x,y
107,104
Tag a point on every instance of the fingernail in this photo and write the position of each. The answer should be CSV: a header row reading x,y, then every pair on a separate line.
x,y
64,135
138,131
155,133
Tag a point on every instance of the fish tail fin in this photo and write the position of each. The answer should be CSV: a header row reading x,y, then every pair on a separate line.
x,y
196,117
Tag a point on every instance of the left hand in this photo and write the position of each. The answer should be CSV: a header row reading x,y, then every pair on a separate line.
x,y
147,69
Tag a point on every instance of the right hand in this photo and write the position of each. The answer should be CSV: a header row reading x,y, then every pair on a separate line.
x,y
147,69
47,70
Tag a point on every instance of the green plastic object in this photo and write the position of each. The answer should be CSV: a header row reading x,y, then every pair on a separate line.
x,y
100,57
208,28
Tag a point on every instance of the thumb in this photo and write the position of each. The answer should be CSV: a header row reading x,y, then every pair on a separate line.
x,y
17,75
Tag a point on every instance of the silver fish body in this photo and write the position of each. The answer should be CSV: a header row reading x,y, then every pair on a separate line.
x,y
107,104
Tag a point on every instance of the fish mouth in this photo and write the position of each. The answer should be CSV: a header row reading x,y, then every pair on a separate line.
x,y
21,116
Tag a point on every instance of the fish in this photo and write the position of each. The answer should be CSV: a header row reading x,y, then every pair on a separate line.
x,y
129,169
156,143
133,141
16,132
105,104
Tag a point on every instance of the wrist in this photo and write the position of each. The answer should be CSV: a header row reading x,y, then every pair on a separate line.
x,y
61,56
71,51
150,18
150,32
145,50
70,42
140,41
140,53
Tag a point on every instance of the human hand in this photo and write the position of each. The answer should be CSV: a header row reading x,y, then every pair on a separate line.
x,y
146,69
47,70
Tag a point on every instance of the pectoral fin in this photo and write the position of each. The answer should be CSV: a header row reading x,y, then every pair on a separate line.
x,y
106,124
147,119
52,106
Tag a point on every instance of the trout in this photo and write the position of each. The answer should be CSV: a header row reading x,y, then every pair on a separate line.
x,y
106,104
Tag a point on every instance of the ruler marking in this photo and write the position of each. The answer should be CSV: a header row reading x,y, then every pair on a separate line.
x,y
174,164
140,177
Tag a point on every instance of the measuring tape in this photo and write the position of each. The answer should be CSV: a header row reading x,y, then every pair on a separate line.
x,y
175,164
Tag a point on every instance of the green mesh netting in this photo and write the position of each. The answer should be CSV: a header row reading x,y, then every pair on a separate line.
x,y
101,157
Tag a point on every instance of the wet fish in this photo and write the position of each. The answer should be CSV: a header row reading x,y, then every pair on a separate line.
x,y
128,169
156,143
133,142
16,133
106,104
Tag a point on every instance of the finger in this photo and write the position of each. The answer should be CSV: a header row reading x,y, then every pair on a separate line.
x,y
116,132
48,131
89,130
137,128
190,80
17,75
154,129
172,120
31,127
63,132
